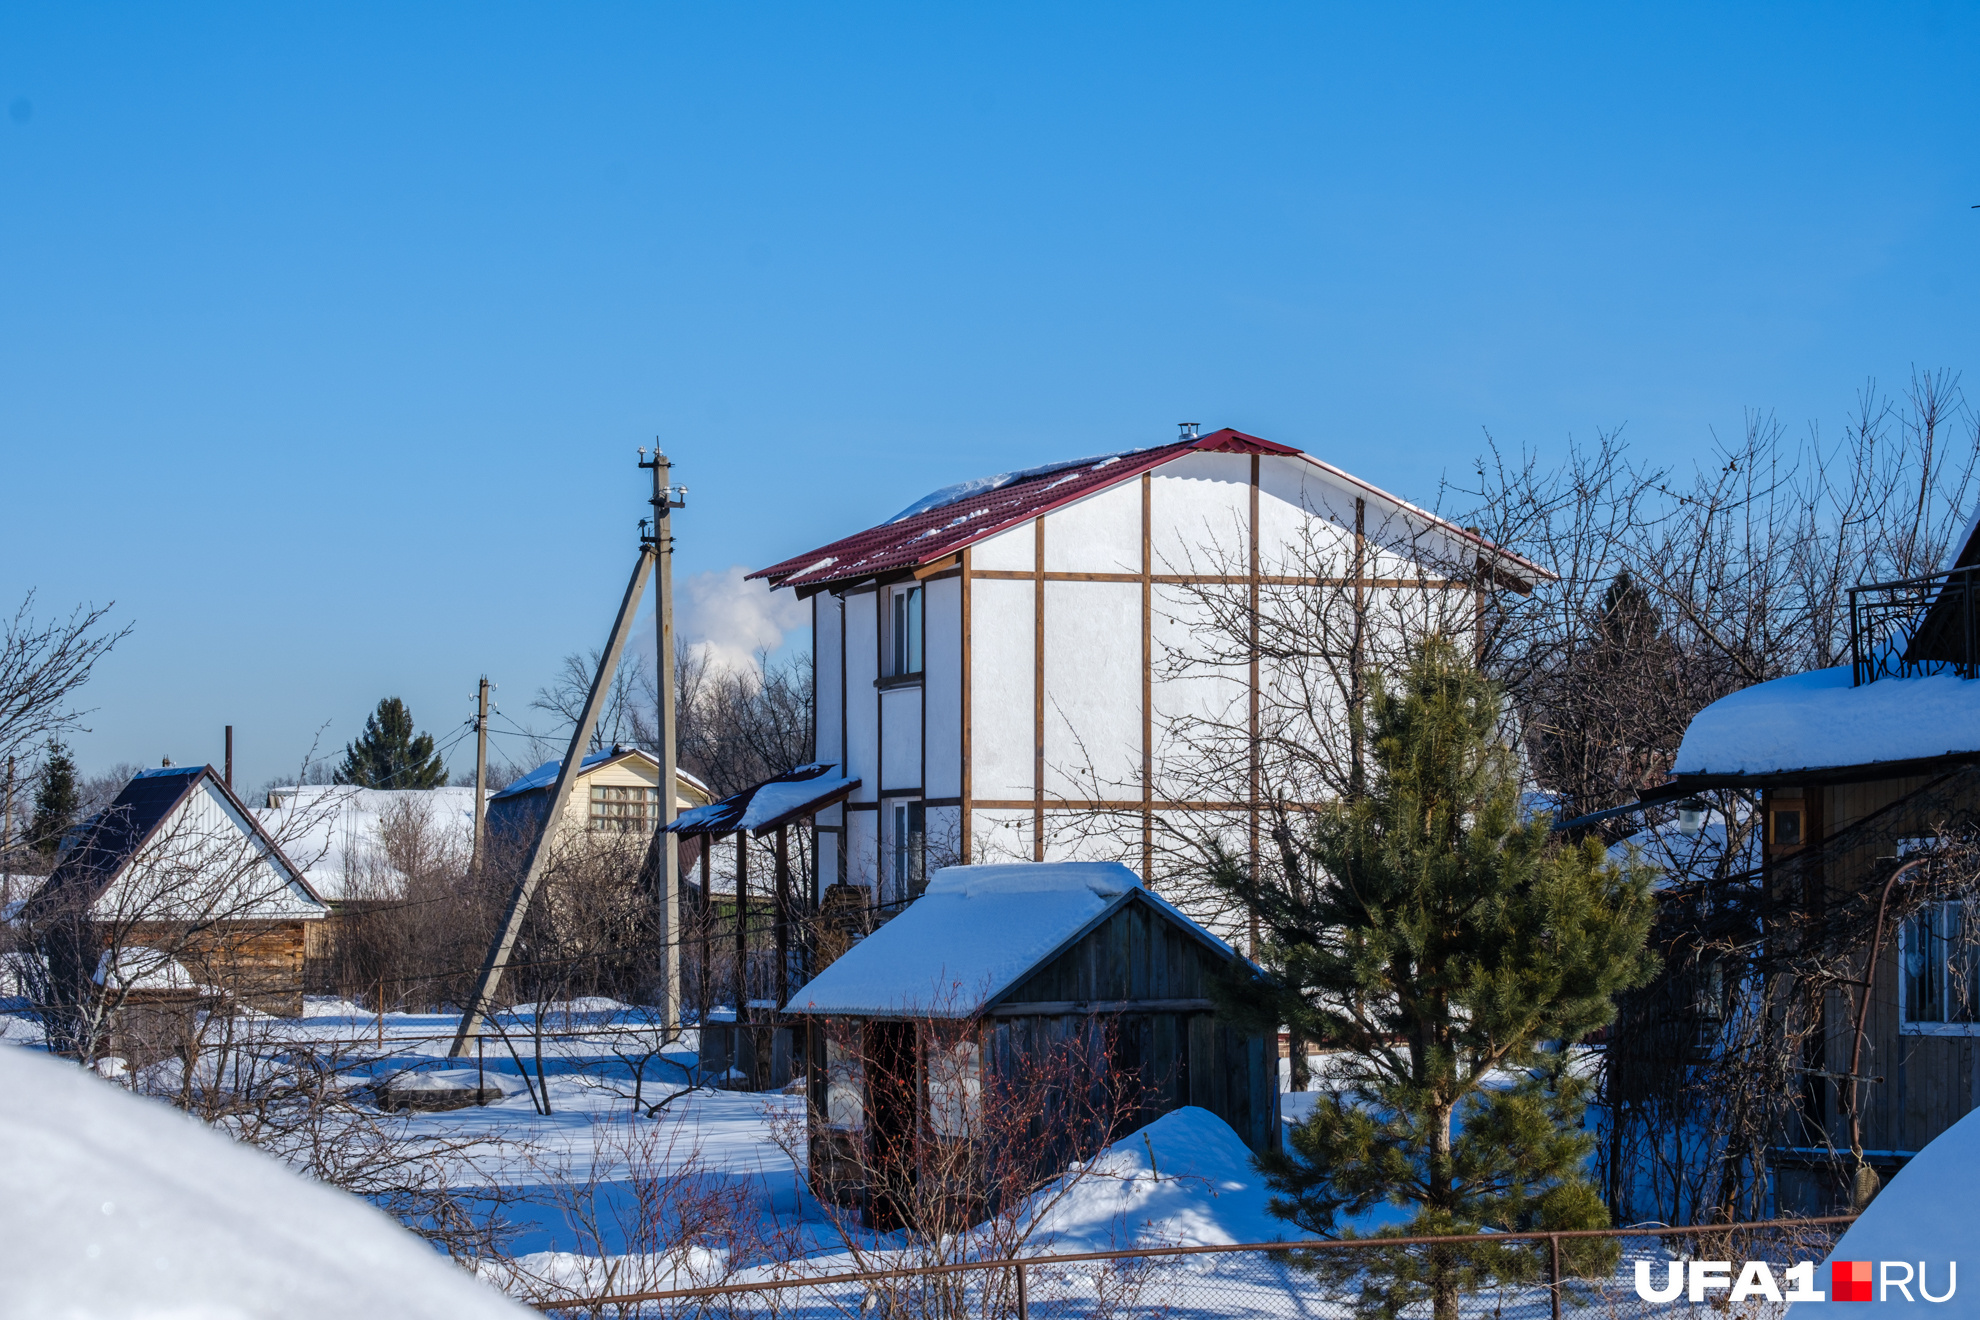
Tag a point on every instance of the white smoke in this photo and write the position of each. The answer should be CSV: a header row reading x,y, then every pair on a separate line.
x,y
731,621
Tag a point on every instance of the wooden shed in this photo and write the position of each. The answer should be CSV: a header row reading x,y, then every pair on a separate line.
x,y
992,968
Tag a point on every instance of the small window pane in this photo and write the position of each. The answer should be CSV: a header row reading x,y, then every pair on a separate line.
x,y
955,1089
845,1106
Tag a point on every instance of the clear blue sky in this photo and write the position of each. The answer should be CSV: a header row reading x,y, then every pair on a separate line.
x,y
327,333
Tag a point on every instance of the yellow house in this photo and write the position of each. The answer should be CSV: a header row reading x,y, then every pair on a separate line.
x,y
617,791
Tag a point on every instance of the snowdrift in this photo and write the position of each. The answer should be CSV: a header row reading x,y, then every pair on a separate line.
x,y
1924,1215
111,1205
1184,1180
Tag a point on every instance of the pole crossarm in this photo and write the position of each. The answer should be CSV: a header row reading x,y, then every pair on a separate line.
x,y
539,852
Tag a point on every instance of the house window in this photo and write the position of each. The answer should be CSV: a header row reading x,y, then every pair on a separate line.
x,y
955,1088
845,1088
904,632
909,846
1787,828
1940,970
629,808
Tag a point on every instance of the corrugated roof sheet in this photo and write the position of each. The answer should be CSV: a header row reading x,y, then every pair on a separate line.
x,y
923,537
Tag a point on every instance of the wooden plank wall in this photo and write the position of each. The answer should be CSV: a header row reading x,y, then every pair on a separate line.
x,y
1929,1080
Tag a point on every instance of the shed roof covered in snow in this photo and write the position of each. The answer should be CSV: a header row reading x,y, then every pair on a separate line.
x,y
763,807
1816,725
944,522
977,933
174,836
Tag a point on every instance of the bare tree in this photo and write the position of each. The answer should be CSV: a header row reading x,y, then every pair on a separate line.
x,y
43,666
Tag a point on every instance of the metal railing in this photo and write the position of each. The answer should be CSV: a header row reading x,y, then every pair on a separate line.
x,y
1914,626
1508,1276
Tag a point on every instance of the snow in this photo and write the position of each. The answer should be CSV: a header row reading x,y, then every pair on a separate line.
x,y
1917,1218
772,801
1184,1180
334,833
975,931
543,776
768,801
112,1205
962,490
1817,719
141,968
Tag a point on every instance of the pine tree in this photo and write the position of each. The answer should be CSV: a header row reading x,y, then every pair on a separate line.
x,y
55,800
1448,950
388,755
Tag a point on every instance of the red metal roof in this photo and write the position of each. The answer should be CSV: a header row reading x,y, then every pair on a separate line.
x,y
925,537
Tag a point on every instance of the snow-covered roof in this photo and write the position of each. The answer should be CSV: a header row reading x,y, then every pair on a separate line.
x,y
176,836
545,775
335,832
1818,721
973,935
944,522
115,1205
962,490
790,795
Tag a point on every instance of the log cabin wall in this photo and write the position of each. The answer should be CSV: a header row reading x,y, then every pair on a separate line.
x,y
260,963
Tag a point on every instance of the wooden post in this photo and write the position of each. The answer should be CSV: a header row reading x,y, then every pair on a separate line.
x,y
539,853
480,777
742,946
783,916
707,922
230,756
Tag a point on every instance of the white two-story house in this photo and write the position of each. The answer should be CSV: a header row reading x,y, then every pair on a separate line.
x,y
1011,666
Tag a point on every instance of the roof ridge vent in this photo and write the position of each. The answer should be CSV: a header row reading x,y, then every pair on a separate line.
x,y
1187,430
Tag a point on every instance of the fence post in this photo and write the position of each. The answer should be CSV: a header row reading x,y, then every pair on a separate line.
x,y
1024,1302
1554,1272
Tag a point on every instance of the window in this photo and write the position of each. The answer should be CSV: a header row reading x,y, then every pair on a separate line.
x,y
904,632
955,1088
845,1086
910,836
1940,970
1787,828
631,808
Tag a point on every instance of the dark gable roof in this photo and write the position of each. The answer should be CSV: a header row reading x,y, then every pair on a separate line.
x,y
110,839
923,538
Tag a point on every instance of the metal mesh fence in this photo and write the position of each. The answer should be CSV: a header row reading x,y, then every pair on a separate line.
x,y
1501,1276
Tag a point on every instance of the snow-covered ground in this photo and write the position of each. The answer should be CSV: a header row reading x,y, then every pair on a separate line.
x,y
584,1185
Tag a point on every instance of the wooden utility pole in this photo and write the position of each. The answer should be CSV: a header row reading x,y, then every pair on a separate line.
x,y
230,756
539,853
665,499
480,777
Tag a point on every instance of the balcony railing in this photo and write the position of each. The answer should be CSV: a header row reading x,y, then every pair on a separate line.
x,y
1914,626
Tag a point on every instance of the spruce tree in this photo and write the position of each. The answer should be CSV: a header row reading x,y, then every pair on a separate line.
x,y
55,800
1450,951
388,754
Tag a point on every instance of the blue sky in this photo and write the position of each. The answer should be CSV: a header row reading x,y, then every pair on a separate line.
x,y
330,333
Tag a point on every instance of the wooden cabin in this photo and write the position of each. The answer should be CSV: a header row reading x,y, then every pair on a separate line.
x,y
175,893
999,663
980,980
1856,769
